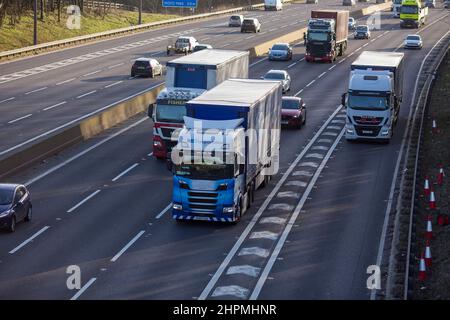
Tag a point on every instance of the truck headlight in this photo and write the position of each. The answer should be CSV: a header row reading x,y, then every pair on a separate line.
x,y
228,210
177,206
385,132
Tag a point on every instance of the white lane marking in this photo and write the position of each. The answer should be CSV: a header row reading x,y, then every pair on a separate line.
x,y
116,65
55,105
323,148
150,154
28,240
302,173
314,155
250,37
83,289
113,84
156,53
300,91
322,74
280,206
78,155
256,251
276,220
334,128
330,134
291,222
310,83
164,211
338,121
342,60
125,172
226,45
9,99
91,73
65,81
260,211
83,201
332,67
21,118
127,246
310,164
75,121
37,90
207,38
86,94
248,270
236,291
256,62
264,235
296,183
288,194
292,64
397,167
325,141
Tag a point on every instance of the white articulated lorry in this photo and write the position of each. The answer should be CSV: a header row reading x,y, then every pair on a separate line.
x,y
374,96
273,5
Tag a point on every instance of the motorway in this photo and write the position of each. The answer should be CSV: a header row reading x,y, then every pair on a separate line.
x,y
311,234
43,94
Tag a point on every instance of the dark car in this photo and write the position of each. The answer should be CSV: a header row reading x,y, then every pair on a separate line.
x,y
251,25
15,205
362,32
447,4
293,112
146,67
280,51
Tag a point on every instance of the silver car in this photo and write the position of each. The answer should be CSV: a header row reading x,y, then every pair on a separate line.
x,y
413,41
236,20
279,75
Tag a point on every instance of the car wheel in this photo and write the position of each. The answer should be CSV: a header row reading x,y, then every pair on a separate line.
x,y
29,214
12,224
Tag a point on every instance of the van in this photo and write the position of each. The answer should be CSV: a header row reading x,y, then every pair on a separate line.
x,y
273,5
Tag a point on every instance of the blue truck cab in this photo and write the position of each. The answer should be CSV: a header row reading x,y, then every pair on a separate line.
x,y
227,148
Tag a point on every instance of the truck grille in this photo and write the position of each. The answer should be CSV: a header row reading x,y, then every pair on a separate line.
x,y
203,200
367,131
368,120
167,132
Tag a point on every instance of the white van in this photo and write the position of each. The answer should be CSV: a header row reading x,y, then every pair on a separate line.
x,y
273,5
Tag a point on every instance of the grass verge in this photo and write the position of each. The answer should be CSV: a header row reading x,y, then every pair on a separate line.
x,y
21,34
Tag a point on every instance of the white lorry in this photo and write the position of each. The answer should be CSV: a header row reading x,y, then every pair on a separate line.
x,y
273,5
374,96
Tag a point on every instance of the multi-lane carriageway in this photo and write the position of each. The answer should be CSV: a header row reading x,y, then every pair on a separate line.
x,y
103,205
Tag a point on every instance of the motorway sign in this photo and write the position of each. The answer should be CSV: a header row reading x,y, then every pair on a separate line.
x,y
179,3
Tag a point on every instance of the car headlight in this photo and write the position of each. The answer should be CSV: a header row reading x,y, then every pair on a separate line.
x,y
177,206
5,213
228,210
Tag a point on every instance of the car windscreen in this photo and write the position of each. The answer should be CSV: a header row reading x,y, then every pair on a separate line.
x,y
183,40
280,47
235,18
362,28
249,22
6,197
290,104
274,76
415,38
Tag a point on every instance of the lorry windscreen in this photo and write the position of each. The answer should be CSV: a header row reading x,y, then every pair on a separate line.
x,y
409,9
318,36
363,102
170,113
205,171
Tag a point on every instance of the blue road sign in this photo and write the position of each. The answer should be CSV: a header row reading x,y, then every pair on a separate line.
x,y
179,3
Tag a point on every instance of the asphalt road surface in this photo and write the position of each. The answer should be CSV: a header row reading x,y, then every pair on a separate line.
x,y
311,233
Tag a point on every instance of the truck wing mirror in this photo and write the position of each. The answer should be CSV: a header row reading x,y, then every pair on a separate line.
x,y
343,98
150,110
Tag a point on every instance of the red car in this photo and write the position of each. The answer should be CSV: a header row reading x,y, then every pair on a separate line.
x,y
293,112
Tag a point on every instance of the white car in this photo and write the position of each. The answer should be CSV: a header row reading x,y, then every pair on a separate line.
x,y
279,75
413,41
351,23
236,20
